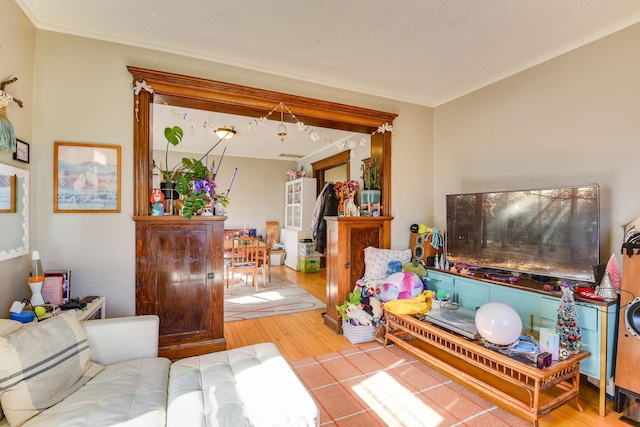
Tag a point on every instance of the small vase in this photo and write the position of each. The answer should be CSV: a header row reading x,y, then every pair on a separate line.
x,y
350,208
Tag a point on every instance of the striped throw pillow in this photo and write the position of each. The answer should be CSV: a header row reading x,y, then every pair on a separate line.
x,y
40,365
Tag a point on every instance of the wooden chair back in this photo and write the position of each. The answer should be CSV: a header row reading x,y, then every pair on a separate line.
x,y
245,257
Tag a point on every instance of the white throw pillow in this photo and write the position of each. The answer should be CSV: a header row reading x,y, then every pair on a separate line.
x,y
376,261
41,365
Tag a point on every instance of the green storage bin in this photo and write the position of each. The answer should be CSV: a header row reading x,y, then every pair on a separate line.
x,y
309,264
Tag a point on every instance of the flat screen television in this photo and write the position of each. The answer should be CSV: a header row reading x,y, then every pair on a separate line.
x,y
553,232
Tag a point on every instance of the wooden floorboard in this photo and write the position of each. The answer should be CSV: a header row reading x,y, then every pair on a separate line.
x,y
302,335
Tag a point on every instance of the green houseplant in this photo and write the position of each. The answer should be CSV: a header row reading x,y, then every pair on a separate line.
x,y
169,176
197,186
173,136
370,182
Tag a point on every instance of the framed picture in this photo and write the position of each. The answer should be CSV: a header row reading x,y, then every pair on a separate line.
x,y
7,193
86,178
66,282
22,151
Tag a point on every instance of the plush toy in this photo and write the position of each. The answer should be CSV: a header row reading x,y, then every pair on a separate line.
x,y
416,266
354,299
366,288
394,267
342,309
355,296
373,307
401,286
358,314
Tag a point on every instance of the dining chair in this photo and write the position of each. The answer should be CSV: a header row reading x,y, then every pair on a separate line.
x,y
245,256
265,260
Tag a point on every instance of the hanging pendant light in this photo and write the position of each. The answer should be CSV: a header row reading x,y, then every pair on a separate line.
x,y
225,132
282,129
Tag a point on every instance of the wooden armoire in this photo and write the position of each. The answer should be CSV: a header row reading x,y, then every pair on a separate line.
x,y
180,278
347,237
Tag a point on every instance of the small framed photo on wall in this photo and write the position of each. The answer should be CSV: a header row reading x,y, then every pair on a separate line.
x,y
22,151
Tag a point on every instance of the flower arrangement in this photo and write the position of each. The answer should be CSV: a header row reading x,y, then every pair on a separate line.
x,y
293,174
349,188
198,188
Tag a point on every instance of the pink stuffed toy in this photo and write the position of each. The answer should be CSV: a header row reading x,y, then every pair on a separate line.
x,y
401,286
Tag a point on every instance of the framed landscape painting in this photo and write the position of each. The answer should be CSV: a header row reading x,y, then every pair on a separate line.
x,y
86,178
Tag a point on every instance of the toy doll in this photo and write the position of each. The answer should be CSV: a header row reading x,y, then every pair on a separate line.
x,y
157,207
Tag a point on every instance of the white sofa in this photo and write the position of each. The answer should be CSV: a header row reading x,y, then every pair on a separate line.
x,y
248,386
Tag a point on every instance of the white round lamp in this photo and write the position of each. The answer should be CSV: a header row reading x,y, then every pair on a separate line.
x,y
498,323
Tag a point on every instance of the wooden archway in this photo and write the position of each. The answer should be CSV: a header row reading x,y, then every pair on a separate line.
x,y
210,95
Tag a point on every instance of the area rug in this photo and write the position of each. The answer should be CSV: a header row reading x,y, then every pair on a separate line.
x,y
279,297
372,385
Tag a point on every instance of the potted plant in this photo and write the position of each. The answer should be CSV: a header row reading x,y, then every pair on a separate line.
x,y
370,182
198,189
169,176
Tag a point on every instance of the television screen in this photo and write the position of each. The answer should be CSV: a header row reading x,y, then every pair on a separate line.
x,y
551,232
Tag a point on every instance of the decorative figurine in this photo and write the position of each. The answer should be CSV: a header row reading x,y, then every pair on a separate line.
x,y
157,207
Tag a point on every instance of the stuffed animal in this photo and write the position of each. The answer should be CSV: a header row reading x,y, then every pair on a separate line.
x,y
355,296
401,286
358,314
373,307
354,299
394,267
342,309
415,266
366,288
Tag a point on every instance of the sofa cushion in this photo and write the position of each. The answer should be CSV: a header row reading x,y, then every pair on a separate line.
x,y
246,386
132,393
8,326
376,261
41,365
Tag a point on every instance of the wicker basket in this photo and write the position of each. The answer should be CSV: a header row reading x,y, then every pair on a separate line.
x,y
357,334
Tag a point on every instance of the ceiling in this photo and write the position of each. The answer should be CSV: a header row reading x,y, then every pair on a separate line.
x,y
425,52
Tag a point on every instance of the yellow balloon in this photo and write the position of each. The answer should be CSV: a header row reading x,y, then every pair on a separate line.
x,y
40,311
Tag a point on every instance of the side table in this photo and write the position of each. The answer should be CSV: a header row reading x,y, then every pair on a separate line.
x,y
93,310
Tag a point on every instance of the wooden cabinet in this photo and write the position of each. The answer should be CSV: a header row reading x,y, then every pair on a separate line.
x,y
471,293
179,277
347,237
526,304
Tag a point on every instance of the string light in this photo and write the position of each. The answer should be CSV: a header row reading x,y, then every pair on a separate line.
x,y
262,121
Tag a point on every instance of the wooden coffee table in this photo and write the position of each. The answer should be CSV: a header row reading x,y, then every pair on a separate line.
x,y
524,389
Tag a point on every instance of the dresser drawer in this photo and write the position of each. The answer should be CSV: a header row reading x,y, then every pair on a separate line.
x,y
438,281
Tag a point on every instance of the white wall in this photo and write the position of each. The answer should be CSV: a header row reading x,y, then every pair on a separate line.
x,y
570,121
17,57
84,95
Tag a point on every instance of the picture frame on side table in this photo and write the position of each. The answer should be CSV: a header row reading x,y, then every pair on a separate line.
x,y
7,193
22,151
66,285
86,178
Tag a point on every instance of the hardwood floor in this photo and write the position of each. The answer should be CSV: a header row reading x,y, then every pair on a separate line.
x,y
304,334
